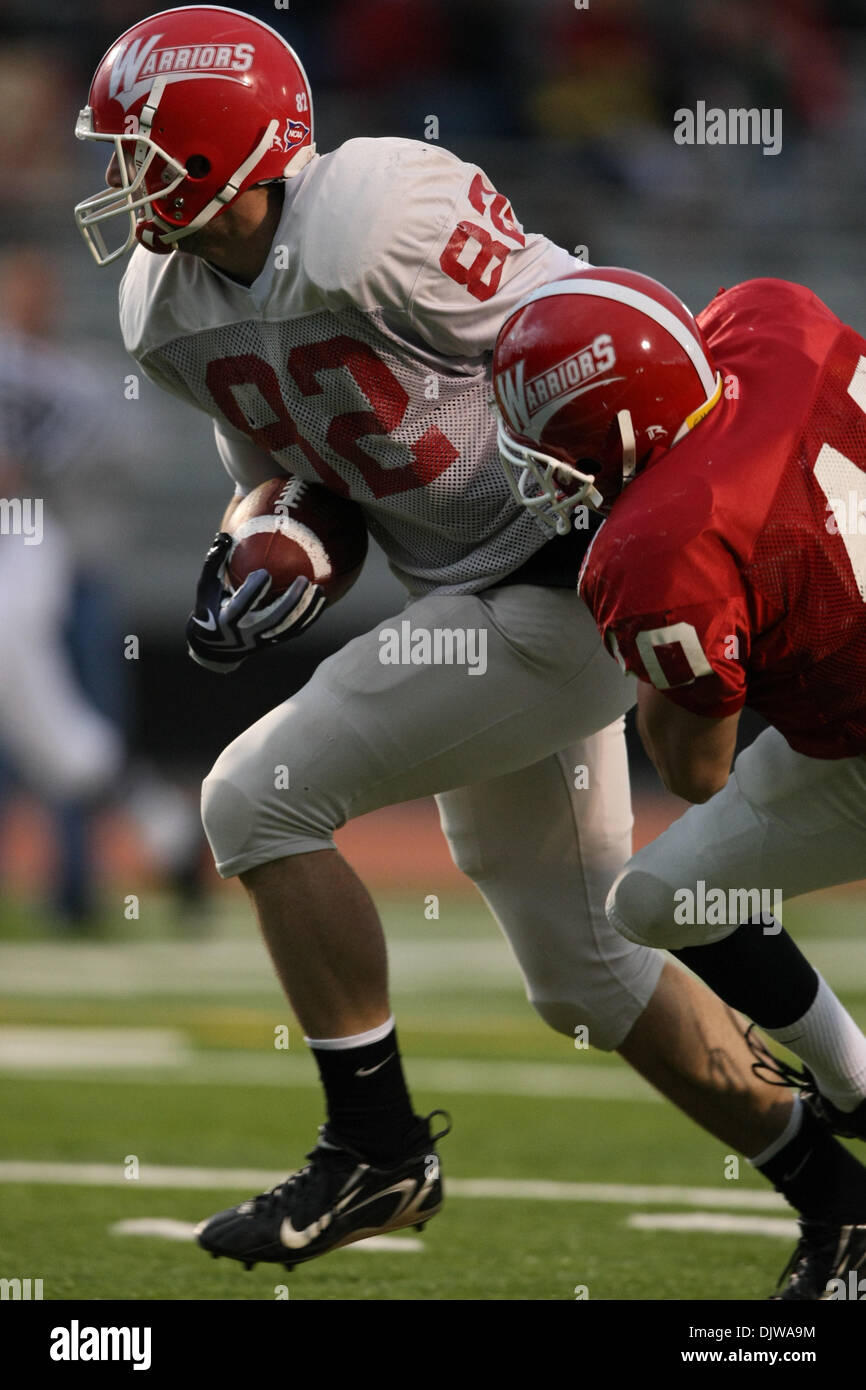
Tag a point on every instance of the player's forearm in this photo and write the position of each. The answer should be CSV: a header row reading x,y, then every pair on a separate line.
x,y
696,782
692,754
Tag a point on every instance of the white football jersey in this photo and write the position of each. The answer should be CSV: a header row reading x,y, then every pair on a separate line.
x,y
360,357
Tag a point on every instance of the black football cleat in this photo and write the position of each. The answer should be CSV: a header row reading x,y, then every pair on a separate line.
x,y
829,1263
338,1198
772,1069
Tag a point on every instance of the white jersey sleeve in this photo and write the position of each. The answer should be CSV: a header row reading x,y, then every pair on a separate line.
x,y
479,267
412,230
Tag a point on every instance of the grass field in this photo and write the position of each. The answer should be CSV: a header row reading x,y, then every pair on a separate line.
x,y
152,1052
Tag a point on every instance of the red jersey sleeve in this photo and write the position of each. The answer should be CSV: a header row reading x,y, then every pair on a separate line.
x,y
678,621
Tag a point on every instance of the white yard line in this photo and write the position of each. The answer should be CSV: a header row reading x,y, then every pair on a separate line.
x,y
165,1228
230,968
44,1047
714,1224
553,1082
629,1194
163,1056
154,1176
233,968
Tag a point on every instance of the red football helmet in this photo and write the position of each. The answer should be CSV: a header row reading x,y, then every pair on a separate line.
x,y
592,374
200,104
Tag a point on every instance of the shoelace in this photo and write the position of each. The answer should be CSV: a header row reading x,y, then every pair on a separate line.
x,y
792,1267
810,1245
799,1253
434,1138
265,1202
772,1069
776,1072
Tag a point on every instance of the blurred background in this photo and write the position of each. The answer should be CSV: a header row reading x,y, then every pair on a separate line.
x,y
570,111
153,1037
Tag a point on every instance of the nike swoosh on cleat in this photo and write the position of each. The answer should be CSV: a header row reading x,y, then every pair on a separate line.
x,y
297,1240
406,1188
368,1071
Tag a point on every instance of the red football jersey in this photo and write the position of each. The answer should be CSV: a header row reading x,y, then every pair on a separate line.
x,y
732,571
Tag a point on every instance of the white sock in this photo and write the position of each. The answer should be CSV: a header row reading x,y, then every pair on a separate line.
x,y
788,1133
356,1040
828,1040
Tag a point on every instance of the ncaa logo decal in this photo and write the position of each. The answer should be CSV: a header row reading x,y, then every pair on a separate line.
x,y
294,134
136,66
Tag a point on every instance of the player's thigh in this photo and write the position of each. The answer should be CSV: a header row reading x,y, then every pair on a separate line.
x,y
547,822
546,680
784,823
543,845
368,731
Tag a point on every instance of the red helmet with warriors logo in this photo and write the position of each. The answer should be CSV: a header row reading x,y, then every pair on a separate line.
x,y
200,104
592,375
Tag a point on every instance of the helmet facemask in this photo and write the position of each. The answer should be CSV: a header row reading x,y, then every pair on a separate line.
x,y
133,196
130,199
553,488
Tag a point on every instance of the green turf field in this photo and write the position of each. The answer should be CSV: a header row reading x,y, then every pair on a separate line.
x,y
146,1051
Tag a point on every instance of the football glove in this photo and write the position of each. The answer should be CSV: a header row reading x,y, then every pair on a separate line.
x,y
224,627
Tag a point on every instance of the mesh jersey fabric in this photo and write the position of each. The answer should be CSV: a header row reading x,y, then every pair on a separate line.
x,y
360,357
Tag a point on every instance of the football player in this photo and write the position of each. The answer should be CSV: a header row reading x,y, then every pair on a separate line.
x,y
335,315
731,573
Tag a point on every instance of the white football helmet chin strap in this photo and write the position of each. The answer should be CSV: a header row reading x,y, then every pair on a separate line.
x,y
526,468
629,446
228,191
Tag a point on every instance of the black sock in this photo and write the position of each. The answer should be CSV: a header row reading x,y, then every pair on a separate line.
x,y
764,976
368,1103
818,1176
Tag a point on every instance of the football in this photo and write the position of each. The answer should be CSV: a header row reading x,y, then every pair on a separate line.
x,y
290,527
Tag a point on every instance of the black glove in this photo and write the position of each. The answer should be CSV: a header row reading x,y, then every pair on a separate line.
x,y
224,628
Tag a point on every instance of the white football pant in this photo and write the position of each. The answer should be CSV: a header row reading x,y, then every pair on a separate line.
x,y
527,759
784,823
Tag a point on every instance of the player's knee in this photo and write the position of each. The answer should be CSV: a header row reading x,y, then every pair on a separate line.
x,y
557,1014
253,811
227,812
586,1025
466,852
643,908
